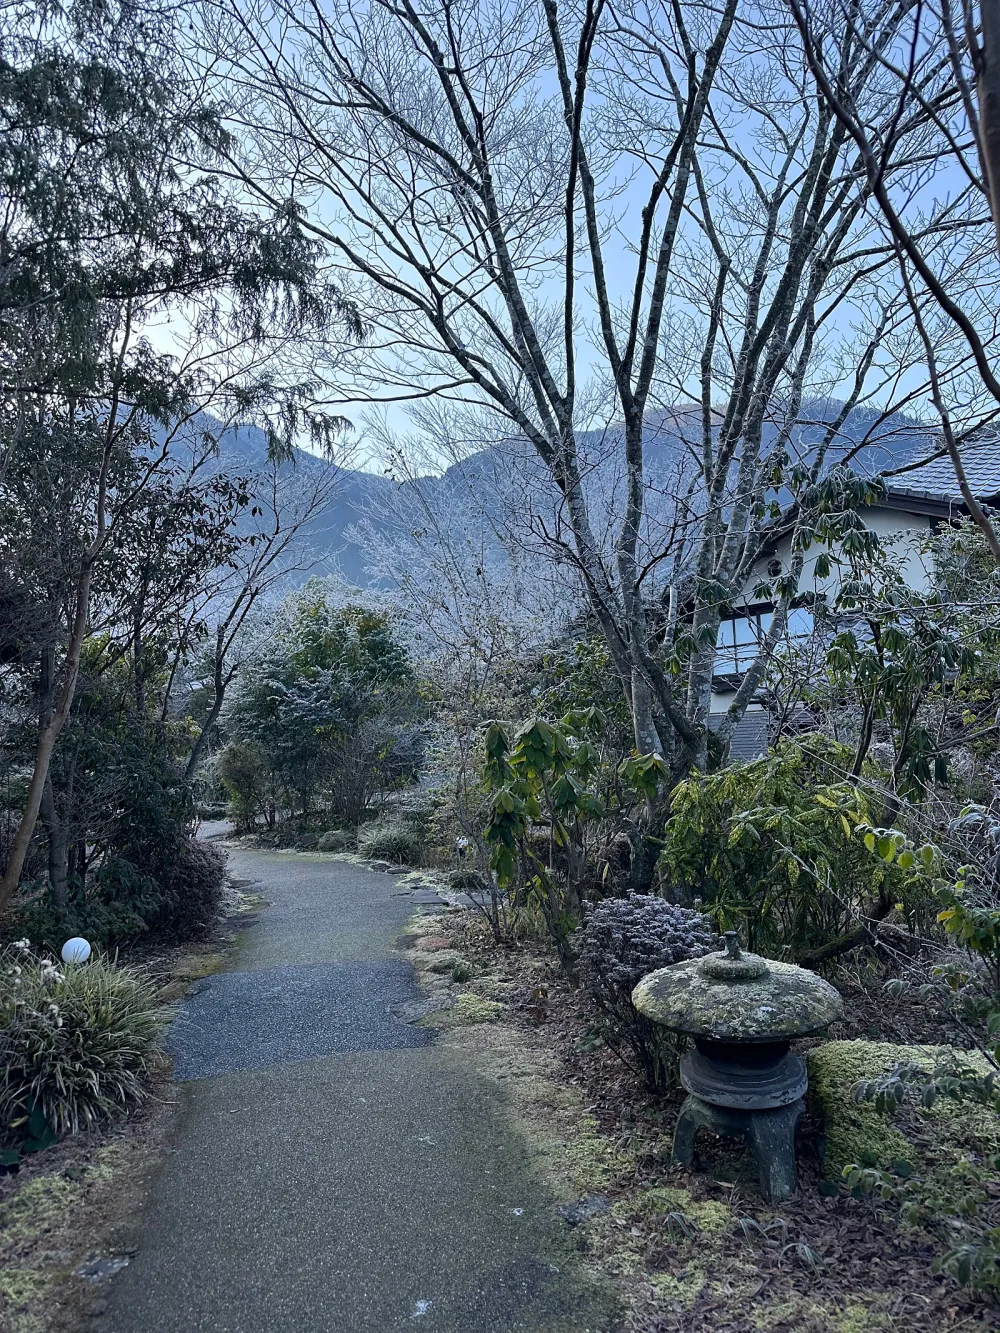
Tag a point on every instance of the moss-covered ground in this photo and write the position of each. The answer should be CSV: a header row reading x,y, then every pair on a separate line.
x,y
75,1202
690,1252
941,1161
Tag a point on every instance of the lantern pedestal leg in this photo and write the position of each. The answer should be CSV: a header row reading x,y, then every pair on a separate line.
x,y
771,1137
769,1133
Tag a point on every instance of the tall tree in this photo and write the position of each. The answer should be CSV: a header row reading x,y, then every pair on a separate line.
x,y
619,232
114,221
940,70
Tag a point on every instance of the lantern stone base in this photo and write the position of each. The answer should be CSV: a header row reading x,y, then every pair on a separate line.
x,y
769,1134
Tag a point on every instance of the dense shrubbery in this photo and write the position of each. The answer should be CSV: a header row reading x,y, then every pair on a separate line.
x,y
335,840
385,840
325,719
191,889
769,848
552,787
119,858
625,939
77,1043
173,896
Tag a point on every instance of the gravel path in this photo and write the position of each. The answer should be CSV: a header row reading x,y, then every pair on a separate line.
x,y
333,1170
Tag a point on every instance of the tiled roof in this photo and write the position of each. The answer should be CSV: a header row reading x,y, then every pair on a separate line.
x,y
749,738
937,481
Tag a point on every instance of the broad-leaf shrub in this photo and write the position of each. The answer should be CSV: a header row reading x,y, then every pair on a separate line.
x,y
903,653
244,776
545,783
971,905
770,848
541,776
77,1043
624,940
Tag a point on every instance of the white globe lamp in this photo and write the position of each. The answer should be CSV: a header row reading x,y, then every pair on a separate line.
x,y
76,950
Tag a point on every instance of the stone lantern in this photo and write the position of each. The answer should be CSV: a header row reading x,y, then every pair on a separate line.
x,y
742,1012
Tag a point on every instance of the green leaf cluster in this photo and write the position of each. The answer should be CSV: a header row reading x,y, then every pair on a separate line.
x,y
769,846
543,771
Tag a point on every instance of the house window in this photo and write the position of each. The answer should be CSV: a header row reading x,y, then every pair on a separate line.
x,y
738,642
740,637
800,623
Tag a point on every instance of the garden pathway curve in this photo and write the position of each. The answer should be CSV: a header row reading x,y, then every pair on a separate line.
x,y
333,1170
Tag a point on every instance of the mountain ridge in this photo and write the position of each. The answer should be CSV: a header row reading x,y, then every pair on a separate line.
x,y
364,500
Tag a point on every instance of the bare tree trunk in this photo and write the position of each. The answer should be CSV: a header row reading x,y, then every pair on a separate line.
x,y
988,88
59,846
47,738
219,683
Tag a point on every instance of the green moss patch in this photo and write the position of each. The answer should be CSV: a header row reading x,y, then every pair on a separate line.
x,y
35,1247
195,965
39,1207
854,1132
21,1292
437,960
469,1009
708,1217
949,1146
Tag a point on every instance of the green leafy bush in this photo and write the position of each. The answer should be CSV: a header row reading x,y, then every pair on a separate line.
x,y
544,806
770,849
243,774
624,940
77,1043
384,841
176,898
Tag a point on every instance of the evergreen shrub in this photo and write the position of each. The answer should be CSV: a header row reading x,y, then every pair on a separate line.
x,y
383,841
77,1043
623,940
335,840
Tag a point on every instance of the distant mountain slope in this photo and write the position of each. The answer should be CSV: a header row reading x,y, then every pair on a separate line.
x,y
511,474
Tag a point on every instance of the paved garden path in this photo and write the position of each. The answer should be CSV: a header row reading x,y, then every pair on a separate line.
x,y
333,1170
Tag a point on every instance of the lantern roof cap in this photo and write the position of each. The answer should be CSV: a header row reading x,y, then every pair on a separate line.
x,y
738,997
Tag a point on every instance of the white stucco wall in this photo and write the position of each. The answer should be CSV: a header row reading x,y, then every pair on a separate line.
x,y
901,532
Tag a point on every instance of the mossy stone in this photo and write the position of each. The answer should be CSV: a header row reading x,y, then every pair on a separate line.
x,y
957,1140
777,1004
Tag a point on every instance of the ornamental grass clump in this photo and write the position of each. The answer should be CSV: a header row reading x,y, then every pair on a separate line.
x,y
77,1042
624,940
390,841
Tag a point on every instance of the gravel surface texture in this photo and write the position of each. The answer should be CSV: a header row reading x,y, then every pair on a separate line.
x,y
298,1013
